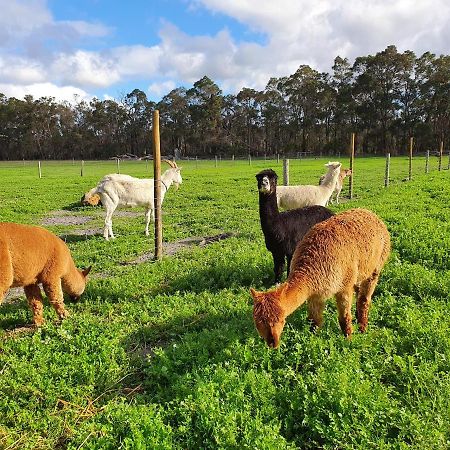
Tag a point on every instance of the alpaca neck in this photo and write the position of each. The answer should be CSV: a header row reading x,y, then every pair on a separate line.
x,y
73,281
268,209
330,179
292,295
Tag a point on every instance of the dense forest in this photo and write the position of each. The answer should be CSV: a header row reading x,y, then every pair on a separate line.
x,y
383,98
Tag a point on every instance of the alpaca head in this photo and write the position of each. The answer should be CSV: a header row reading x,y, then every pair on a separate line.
x,y
333,166
76,285
268,316
267,181
347,172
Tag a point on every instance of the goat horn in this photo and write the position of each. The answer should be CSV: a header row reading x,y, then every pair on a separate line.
x,y
171,163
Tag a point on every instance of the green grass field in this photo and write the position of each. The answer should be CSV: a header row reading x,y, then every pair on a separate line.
x,y
166,356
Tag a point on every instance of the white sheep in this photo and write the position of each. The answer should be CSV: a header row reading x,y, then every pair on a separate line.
x,y
123,190
339,183
290,197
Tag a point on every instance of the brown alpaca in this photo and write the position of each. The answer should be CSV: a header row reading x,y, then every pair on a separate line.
x,y
30,255
342,255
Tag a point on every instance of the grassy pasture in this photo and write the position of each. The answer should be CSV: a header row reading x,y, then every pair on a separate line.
x,y
166,355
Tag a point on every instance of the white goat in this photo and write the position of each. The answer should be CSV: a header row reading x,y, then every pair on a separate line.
x,y
123,190
339,183
291,197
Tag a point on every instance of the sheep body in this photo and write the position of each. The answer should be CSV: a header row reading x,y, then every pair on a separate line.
x,y
283,230
291,197
339,184
343,255
123,190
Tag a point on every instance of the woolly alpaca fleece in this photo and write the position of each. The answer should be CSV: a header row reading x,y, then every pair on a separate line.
x,y
290,197
30,255
337,257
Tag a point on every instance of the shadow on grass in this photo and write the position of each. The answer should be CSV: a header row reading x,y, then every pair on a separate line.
x,y
184,344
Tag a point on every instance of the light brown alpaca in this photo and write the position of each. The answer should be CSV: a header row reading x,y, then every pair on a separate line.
x,y
30,255
339,256
339,184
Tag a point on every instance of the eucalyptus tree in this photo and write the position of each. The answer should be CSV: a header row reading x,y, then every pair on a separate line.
x,y
175,121
205,105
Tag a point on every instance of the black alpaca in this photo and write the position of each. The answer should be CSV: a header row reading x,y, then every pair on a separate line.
x,y
283,230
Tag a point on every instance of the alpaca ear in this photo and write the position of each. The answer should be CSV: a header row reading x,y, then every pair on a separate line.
x,y
255,294
86,271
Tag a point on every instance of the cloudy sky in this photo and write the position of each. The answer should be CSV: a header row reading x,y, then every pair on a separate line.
x,y
104,48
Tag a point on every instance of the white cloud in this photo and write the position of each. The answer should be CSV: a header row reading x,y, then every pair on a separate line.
x,y
158,90
85,69
67,93
295,32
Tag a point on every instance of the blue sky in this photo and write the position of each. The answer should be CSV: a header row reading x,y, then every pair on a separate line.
x,y
79,49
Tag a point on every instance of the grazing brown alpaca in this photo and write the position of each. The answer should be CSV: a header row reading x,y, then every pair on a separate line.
x,y
30,255
342,255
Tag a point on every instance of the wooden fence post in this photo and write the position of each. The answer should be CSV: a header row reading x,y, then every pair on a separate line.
x,y
118,165
39,168
427,162
286,172
441,151
352,168
215,161
82,167
411,143
249,159
386,174
278,158
157,185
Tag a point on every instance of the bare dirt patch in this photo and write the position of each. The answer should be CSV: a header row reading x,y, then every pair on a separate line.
x,y
170,248
65,220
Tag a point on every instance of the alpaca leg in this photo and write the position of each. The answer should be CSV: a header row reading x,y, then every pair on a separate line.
x,y
344,307
6,271
34,297
54,292
278,266
337,197
316,306
364,301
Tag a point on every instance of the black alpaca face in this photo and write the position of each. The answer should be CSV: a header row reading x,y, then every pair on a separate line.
x,y
267,181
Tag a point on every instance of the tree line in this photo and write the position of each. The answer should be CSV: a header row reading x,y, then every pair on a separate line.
x,y
384,98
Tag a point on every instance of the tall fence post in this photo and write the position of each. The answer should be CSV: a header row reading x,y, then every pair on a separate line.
x,y
39,169
441,151
286,172
82,168
249,159
215,161
278,158
352,168
386,174
232,158
157,185
411,143
427,162
448,164
118,165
